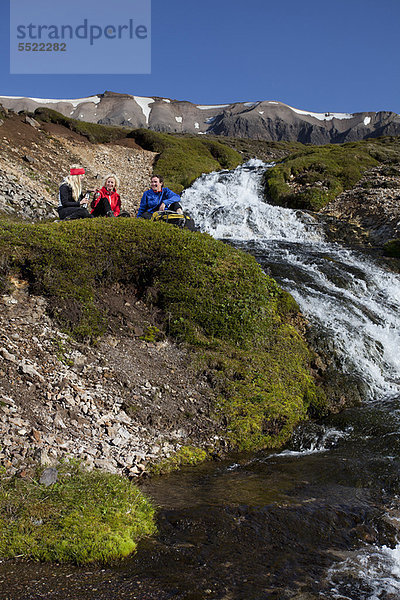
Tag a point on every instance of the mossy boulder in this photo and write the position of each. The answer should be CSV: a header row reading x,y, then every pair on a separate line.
x,y
185,456
314,175
234,319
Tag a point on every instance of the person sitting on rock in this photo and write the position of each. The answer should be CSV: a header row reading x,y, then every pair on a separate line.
x,y
107,201
158,198
72,201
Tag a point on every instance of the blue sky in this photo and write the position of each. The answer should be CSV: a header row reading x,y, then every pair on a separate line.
x,y
341,56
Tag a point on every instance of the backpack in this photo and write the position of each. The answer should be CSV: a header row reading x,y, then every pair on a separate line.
x,y
173,218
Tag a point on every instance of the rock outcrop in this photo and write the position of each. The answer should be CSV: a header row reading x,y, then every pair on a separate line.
x,y
262,120
22,201
373,204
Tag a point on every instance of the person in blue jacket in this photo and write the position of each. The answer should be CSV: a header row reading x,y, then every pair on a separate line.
x,y
158,198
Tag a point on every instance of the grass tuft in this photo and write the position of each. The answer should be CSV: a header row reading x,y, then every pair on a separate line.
x,y
185,456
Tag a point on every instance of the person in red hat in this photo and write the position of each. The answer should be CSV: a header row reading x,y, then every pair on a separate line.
x,y
72,201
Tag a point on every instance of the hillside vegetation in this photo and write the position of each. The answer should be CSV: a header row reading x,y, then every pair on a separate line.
x,y
180,159
210,296
96,134
315,175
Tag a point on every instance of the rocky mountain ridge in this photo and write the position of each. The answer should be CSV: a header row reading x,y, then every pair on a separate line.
x,y
261,120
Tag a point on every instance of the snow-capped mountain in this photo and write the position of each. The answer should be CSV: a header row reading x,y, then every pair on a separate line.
x,y
263,120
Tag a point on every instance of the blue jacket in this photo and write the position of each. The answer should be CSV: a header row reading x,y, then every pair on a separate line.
x,y
151,201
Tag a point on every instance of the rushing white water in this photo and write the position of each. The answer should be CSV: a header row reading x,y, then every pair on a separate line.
x,y
376,569
228,205
317,444
354,301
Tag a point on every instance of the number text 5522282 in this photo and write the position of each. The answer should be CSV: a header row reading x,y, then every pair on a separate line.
x,y
42,47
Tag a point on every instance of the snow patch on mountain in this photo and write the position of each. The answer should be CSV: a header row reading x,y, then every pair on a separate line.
x,y
144,104
322,116
75,102
209,107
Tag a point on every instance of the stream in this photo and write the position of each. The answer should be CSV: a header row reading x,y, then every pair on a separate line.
x,y
318,520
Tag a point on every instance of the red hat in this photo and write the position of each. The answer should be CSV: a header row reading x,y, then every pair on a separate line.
x,y
77,171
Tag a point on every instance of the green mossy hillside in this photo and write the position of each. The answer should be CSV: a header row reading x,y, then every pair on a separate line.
x,y
313,176
95,133
183,158
212,297
264,150
180,158
83,517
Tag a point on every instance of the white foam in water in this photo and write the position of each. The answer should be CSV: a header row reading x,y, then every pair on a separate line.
x,y
363,318
228,205
326,442
355,301
375,570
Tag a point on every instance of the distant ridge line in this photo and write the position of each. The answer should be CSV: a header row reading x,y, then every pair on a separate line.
x,y
261,120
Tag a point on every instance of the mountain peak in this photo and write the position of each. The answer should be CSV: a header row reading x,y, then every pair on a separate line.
x,y
262,119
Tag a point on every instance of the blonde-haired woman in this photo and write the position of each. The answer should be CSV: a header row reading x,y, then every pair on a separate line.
x,y
107,201
72,201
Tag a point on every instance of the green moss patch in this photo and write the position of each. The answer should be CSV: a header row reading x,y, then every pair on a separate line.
x,y
264,393
83,517
185,456
312,177
392,248
315,175
181,159
212,297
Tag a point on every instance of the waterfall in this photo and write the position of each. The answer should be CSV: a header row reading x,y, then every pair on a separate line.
x,y
229,205
354,302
